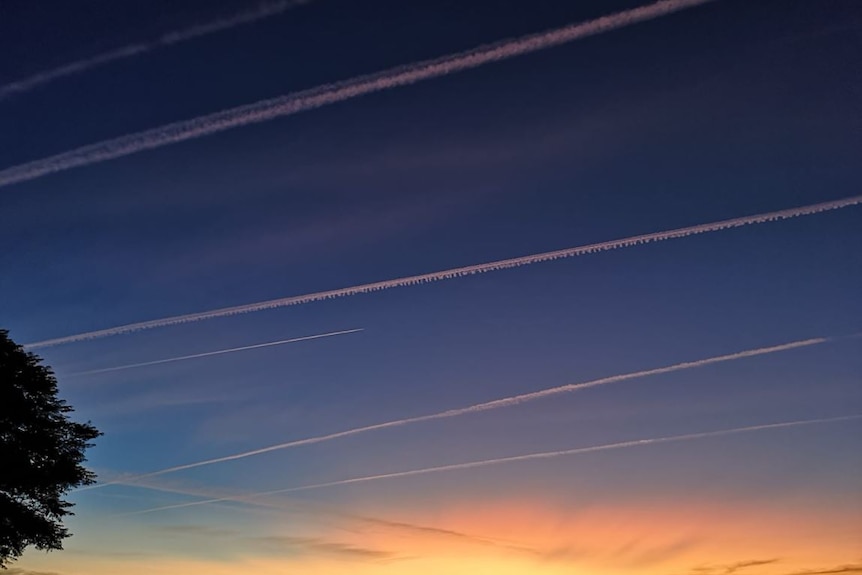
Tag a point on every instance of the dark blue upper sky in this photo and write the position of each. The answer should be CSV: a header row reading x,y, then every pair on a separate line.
x,y
729,109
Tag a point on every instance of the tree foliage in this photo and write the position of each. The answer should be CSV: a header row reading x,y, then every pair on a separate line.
x,y
41,454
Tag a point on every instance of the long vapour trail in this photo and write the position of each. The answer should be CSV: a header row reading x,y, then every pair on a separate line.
x,y
260,12
217,352
458,272
576,451
327,94
526,457
479,407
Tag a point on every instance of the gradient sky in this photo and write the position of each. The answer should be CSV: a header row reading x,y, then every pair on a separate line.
x,y
725,110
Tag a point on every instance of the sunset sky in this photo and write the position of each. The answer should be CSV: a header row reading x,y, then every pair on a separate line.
x,y
718,110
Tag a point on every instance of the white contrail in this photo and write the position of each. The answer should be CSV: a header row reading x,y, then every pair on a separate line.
x,y
335,92
488,405
527,457
576,451
218,352
263,10
458,272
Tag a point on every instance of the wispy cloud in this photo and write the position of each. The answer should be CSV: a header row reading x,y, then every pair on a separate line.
x,y
336,92
489,405
732,568
836,570
126,404
740,565
114,554
453,534
318,546
195,530
259,12
635,553
217,352
458,272
647,557
293,506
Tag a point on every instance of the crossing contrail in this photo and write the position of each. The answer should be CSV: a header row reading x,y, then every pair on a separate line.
x,y
261,11
457,272
326,94
218,352
485,406
527,457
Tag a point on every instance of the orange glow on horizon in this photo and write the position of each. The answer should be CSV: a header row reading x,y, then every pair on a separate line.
x,y
701,538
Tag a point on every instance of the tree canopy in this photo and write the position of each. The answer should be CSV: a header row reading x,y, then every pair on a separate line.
x,y
41,454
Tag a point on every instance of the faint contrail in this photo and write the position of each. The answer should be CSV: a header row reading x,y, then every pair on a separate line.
x,y
335,92
527,457
218,352
458,272
263,10
488,405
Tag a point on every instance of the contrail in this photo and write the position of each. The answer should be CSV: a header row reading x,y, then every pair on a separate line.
x,y
488,405
218,352
335,92
527,457
263,10
458,272
576,451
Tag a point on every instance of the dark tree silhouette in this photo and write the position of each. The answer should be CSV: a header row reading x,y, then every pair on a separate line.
x,y
41,454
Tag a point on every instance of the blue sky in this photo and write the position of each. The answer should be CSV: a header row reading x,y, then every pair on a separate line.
x,y
723,110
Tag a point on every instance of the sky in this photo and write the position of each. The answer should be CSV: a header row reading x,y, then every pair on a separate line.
x,y
399,429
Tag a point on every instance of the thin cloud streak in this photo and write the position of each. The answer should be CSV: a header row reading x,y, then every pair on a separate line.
x,y
495,404
327,94
530,456
459,272
262,11
218,352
